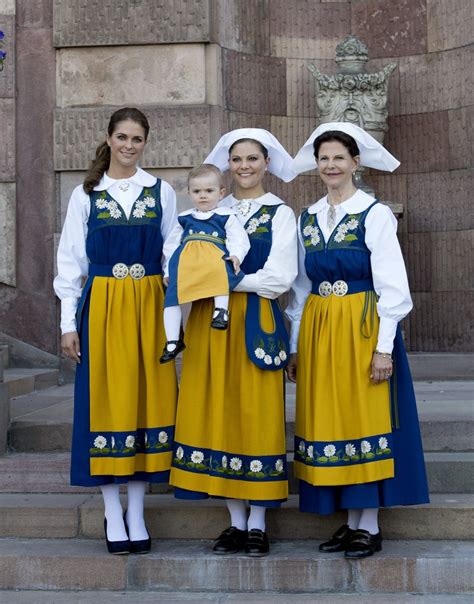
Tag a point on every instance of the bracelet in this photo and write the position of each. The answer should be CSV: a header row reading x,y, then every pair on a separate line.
x,y
384,355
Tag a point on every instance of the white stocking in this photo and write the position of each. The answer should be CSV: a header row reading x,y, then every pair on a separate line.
x,y
113,513
172,319
369,520
353,518
136,499
257,517
220,302
238,513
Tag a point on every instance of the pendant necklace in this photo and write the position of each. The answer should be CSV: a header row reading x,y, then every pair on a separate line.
x,y
124,186
244,206
331,220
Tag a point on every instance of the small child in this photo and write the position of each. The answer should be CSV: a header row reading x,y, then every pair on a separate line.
x,y
196,252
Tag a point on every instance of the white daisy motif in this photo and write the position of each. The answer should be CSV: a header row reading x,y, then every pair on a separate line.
x,y
282,355
163,437
264,218
139,212
310,451
130,441
338,237
215,234
277,361
350,450
101,203
256,465
365,446
279,465
383,442
197,456
149,202
352,224
179,453
259,353
202,232
235,463
308,230
224,461
112,442
254,222
329,450
146,438
100,442
267,359
343,228
302,447
315,239
251,229
190,231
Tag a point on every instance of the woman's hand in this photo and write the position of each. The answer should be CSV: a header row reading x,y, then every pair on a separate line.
x,y
70,346
235,263
166,281
381,368
291,367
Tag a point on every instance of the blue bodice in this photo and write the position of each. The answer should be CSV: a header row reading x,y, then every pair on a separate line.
x,y
210,229
259,230
113,238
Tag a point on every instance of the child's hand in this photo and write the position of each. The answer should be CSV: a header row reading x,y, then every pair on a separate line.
x,y
235,263
166,281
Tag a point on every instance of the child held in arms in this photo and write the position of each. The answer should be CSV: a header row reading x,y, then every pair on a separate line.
x,y
203,254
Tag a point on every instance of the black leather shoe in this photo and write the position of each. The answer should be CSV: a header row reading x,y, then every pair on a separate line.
x,y
230,541
116,547
339,541
257,544
363,544
169,355
221,320
141,546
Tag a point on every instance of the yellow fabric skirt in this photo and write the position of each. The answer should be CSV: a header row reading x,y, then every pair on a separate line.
x,y
132,396
229,411
340,413
201,272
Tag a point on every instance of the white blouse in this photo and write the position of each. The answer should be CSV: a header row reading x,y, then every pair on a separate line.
x,y
386,260
281,266
73,264
237,241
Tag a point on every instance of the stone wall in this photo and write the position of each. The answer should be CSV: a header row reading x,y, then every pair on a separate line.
x,y
201,67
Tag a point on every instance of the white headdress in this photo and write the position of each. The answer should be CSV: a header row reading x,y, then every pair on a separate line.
x,y
280,159
372,153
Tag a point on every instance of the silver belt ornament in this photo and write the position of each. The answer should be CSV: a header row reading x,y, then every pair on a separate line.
x,y
338,288
121,271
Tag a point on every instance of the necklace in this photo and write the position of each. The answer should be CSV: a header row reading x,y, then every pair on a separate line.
x,y
124,186
244,206
331,220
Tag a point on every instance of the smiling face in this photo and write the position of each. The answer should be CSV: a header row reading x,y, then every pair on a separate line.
x,y
336,165
247,167
205,191
127,144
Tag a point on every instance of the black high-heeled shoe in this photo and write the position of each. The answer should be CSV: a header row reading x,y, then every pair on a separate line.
x,y
116,547
141,546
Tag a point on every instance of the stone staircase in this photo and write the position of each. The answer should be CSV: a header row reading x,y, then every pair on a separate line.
x,y
52,545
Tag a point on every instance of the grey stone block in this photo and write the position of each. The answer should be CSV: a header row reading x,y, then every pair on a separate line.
x,y
4,416
7,128
7,75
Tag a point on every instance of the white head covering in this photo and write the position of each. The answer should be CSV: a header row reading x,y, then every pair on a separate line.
x,y
280,159
372,153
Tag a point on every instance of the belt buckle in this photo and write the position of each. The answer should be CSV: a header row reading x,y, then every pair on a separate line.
x,y
120,270
137,271
340,288
325,289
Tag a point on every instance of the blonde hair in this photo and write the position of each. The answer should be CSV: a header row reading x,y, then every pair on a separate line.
x,y
204,170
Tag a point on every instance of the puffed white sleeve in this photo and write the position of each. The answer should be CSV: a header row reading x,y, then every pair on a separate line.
x,y
388,273
237,240
171,244
297,298
170,214
281,267
72,261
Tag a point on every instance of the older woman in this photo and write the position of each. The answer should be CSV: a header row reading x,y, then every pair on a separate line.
x,y
357,440
230,431
110,285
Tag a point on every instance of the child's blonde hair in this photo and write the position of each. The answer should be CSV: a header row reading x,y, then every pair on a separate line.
x,y
204,170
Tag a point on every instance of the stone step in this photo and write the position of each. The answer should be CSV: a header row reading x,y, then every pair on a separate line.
x,y
25,380
293,567
180,597
42,420
49,473
66,516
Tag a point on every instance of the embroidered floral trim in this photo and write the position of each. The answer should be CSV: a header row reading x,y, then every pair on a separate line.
x,y
120,444
254,225
143,208
343,453
311,233
342,231
267,357
226,464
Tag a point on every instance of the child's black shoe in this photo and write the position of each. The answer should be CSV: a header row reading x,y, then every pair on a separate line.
x,y
221,319
169,355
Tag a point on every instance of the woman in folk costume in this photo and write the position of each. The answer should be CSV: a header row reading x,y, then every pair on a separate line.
x,y
110,285
357,438
230,438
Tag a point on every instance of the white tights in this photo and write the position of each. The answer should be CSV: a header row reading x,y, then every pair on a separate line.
x,y
238,515
366,519
114,513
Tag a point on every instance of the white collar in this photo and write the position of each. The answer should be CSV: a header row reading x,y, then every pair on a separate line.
x,y
140,178
267,199
359,202
221,210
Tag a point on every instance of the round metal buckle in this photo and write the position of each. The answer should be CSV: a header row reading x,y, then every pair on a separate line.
x,y
137,271
120,270
325,289
340,288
